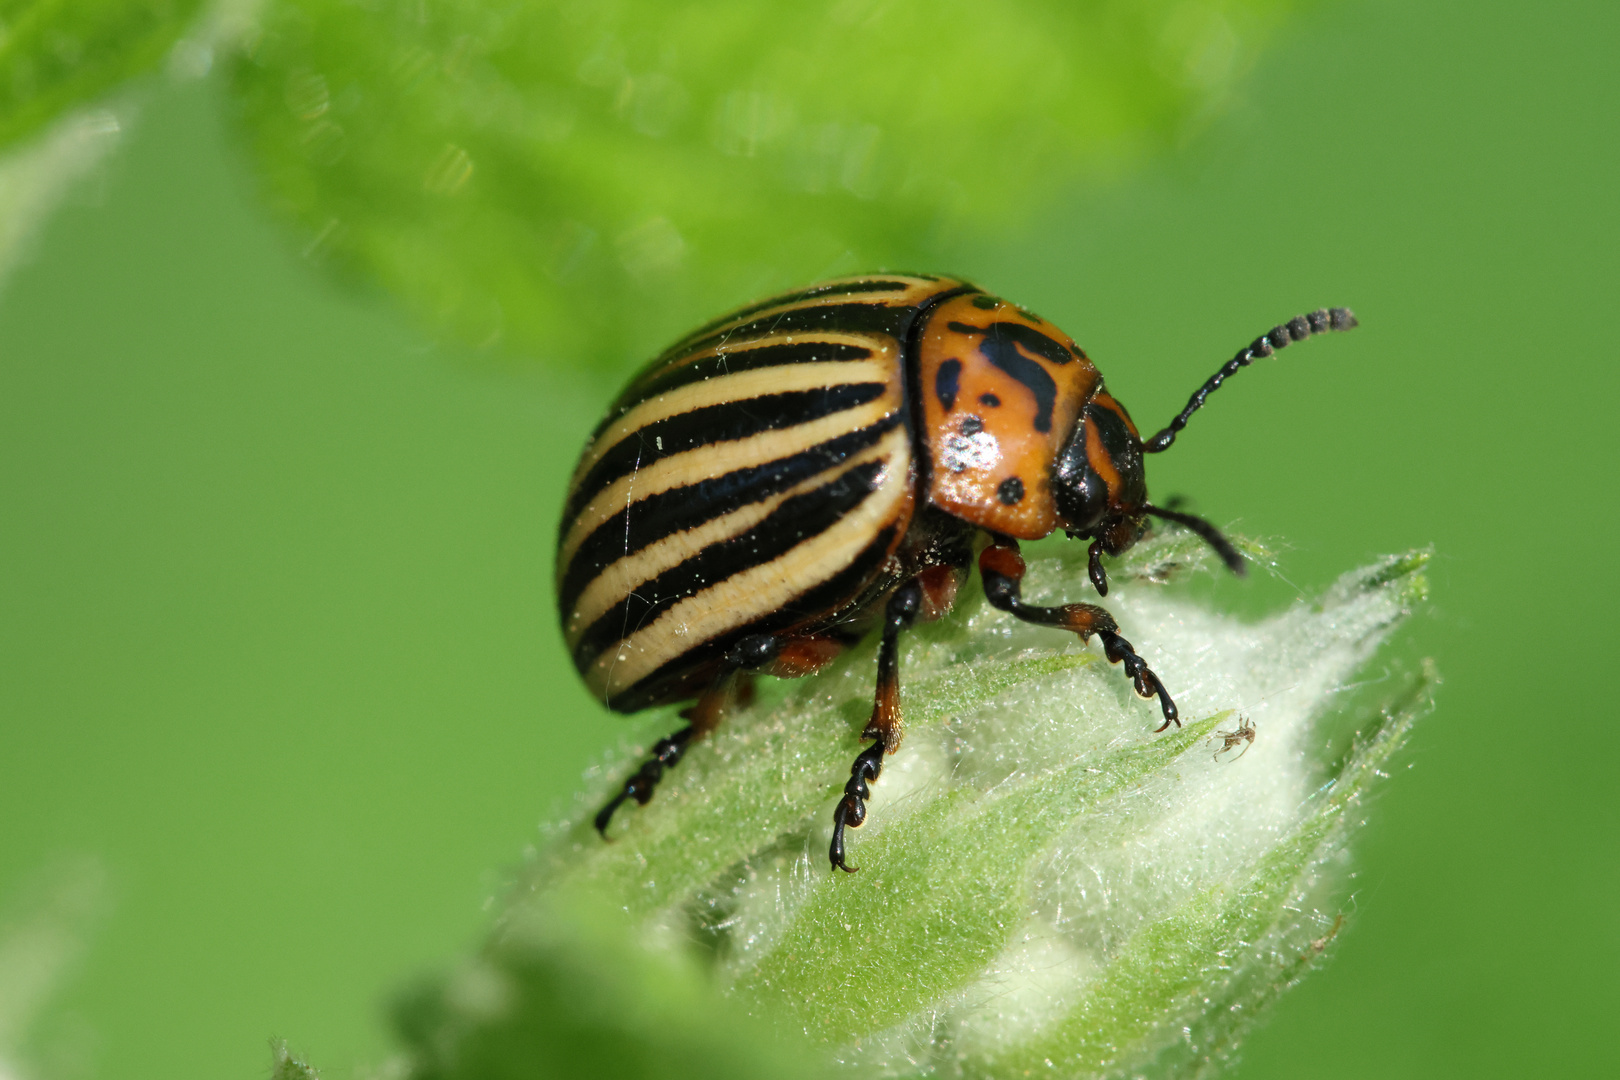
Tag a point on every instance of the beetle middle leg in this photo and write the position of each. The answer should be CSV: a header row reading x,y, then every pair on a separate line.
x,y
1002,569
885,726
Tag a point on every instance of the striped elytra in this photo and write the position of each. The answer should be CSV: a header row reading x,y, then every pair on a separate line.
x,y
786,477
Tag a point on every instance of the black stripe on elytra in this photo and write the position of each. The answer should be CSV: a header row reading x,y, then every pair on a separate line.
x,y
851,288
844,288
948,383
691,671
725,422
863,317
869,317
651,519
1000,347
665,379
797,520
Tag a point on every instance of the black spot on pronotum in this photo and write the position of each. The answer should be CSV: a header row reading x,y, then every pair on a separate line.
x,y
1001,345
989,399
948,383
1011,491
972,425
985,303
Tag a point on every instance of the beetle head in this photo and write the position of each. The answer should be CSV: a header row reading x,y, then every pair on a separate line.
x,y
1099,482
1101,486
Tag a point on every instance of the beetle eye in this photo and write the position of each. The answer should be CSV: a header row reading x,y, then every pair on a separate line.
x,y
1081,494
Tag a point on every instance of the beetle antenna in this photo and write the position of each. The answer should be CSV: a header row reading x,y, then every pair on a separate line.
x,y
1209,533
1298,328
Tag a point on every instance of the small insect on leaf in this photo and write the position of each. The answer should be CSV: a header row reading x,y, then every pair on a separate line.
x,y
1244,736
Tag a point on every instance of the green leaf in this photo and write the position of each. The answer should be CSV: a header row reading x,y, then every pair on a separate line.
x,y
1045,883
34,177
44,929
570,992
583,180
965,852
285,1065
818,752
1231,941
64,105
58,55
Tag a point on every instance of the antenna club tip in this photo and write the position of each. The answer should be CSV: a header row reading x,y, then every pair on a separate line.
x,y
1342,318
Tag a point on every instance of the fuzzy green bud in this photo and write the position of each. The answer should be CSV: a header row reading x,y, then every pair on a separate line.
x,y
1047,887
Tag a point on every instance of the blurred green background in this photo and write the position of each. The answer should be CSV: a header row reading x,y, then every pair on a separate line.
x,y
278,654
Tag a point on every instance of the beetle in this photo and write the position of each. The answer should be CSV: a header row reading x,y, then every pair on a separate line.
x,y
792,474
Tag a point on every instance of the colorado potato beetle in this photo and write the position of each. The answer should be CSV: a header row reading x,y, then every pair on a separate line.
x,y
786,477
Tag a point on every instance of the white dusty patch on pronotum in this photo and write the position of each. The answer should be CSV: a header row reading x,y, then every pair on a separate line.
x,y
1043,878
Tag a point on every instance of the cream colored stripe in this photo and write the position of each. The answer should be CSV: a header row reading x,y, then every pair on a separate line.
x,y
729,388
716,459
617,581
746,596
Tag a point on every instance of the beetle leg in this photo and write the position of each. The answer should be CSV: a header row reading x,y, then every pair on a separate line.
x,y
1094,568
884,727
703,716
1001,568
787,656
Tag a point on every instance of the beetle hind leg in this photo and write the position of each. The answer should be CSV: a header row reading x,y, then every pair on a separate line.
x,y
885,726
785,655
702,717
1002,569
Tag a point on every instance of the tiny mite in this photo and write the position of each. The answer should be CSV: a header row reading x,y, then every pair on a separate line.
x,y
787,477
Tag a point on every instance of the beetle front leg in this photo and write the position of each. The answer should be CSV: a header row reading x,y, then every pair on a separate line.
x,y
1001,568
884,727
1094,568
